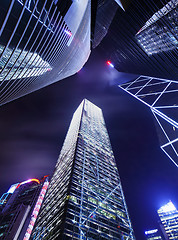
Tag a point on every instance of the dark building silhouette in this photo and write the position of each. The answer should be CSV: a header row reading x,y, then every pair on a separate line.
x,y
19,214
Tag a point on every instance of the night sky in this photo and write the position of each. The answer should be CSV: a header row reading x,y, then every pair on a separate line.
x,y
33,129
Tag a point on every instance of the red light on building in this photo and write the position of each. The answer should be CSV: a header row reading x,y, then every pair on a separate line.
x,y
110,64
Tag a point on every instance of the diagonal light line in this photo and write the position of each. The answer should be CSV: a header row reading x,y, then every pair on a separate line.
x,y
170,143
161,127
161,94
145,85
132,82
169,156
166,118
109,204
149,85
167,106
91,190
162,79
49,28
101,202
155,93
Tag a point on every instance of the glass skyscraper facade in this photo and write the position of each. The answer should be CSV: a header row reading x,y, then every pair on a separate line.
x,y
168,215
159,34
85,198
41,42
143,39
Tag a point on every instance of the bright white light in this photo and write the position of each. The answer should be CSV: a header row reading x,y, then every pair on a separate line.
x,y
12,188
110,64
68,32
151,231
169,207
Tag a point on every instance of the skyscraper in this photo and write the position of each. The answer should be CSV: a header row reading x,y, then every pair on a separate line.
x,y
159,34
169,220
85,198
19,214
143,39
161,96
41,42
6,196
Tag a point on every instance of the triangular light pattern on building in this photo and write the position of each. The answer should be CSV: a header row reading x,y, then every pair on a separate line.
x,y
161,96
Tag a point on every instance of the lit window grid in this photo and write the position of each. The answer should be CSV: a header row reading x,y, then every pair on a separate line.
x,y
139,89
85,145
154,238
162,12
170,223
154,37
85,186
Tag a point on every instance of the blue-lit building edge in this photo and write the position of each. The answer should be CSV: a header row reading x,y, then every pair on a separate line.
x,y
50,222
96,194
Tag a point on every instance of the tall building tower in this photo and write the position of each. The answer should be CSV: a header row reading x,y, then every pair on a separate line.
x,y
6,196
20,208
159,34
41,42
169,220
161,96
85,198
143,39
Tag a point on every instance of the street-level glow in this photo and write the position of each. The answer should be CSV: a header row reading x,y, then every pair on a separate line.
x,y
68,32
151,231
110,64
169,207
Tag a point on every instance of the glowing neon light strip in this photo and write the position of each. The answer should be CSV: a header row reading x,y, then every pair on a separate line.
x,y
36,210
28,181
